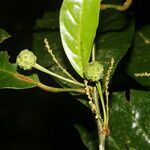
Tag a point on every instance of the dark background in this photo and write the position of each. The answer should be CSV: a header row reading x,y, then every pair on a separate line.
x,y
34,119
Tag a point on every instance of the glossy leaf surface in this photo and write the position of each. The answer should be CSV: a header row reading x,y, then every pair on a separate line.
x,y
129,121
78,24
10,78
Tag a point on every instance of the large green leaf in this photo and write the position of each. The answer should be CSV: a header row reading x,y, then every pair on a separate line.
x,y
10,78
3,35
78,24
129,121
140,56
115,42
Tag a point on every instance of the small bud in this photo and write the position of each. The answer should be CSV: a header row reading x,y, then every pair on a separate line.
x,y
93,71
26,59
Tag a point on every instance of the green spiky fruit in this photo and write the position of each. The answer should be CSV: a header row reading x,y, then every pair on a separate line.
x,y
26,59
93,71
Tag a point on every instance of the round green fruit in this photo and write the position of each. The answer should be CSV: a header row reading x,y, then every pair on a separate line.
x,y
26,59
93,71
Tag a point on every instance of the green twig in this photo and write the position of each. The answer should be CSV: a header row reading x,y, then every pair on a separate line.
x,y
37,66
99,88
59,90
49,88
123,7
102,134
96,93
99,120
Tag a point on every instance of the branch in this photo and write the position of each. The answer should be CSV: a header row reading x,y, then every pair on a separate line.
x,y
123,7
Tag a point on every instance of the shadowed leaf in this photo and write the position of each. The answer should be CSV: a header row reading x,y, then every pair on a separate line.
x,y
129,121
10,78
140,56
113,45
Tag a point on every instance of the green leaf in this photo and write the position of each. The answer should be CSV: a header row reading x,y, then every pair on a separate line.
x,y
112,20
140,56
3,35
129,121
10,78
78,24
89,139
113,45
